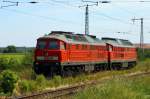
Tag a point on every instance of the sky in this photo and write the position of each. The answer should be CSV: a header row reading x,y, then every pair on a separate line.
x,y
21,25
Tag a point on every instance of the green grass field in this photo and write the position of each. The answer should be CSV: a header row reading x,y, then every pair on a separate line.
x,y
18,56
137,88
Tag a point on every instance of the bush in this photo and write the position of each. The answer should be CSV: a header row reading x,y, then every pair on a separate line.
x,y
144,56
4,63
8,80
7,63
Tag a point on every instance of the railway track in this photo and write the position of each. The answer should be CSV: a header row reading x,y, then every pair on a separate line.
x,y
61,92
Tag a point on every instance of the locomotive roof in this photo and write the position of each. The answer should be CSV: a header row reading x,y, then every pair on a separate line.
x,y
118,42
70,37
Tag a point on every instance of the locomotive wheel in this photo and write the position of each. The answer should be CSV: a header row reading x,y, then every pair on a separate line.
x,y
52,71
68,71
131,65
117,66
36,70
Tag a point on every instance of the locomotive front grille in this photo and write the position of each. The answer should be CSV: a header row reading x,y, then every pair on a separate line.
x,y
40,58
52,58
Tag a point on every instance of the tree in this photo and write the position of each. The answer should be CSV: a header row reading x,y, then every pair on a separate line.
x,y
8,80
10,49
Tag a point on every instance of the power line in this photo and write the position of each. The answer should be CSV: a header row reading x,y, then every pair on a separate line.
x,y
87,18
40,16
32,2
105,15
123,9
117,1
112,18
87,14
120,21
64,3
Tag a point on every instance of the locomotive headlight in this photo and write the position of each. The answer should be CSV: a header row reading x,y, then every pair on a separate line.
x,y
40,58
53,58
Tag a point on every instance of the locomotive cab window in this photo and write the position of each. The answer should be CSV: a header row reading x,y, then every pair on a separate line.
x,y
41,44
53,45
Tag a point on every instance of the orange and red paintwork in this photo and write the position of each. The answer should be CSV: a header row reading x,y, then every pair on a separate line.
x,y
75,54
80,54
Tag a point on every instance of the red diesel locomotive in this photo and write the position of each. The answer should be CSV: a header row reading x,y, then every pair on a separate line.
x,y
65,53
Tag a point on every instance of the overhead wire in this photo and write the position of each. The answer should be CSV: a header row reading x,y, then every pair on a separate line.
x,y
44,17
103,14
123,9
40,16
56,1
124,1
131,26
123,22
65,3
68,4
110,17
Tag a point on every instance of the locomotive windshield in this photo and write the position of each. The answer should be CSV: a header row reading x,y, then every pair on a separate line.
x,y
41,44
48,44
53,45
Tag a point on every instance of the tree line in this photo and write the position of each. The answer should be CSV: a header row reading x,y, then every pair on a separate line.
x,y
14,49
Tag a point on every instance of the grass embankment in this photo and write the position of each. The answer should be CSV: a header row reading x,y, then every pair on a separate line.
x,y
40,83
21,64
135,88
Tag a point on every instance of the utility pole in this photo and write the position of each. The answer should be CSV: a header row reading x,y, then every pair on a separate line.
x,y
141,34
87,19
87,14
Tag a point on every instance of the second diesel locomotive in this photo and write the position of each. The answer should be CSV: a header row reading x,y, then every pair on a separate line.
x,y
66,53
